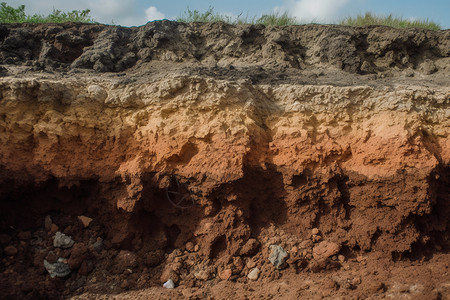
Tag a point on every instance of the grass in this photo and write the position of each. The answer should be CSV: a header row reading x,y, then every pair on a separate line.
x,y
9,14
390,20
284,19
209,16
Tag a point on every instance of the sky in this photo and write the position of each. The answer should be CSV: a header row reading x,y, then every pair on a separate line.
x,y
139,12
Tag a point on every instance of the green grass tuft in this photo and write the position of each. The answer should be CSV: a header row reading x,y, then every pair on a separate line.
x,y
209,16
390,20
284,19
277,19
9,14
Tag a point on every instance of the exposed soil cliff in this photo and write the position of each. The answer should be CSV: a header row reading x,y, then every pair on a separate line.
x,y
201,153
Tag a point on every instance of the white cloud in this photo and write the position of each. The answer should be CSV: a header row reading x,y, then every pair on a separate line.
x,y
153,14
315,10
121,12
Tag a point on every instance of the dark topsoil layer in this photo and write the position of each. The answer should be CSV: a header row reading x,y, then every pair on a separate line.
x,y
305,54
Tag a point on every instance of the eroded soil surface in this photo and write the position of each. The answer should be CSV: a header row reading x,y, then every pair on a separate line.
x,y
234,162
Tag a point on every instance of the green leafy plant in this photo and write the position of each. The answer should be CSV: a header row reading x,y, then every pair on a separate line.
x,y
389,20
9,14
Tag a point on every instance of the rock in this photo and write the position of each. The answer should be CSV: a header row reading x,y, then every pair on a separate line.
x,y
98,245
341,258
253,274
10,250
250,248
24,235
294,250
189,246
225,274
48,223
169,284
196,248
325,249
57,269
277,256
315,231
85,221
62,241
126,259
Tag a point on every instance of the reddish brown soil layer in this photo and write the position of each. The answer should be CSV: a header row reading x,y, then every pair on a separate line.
x,y
195,148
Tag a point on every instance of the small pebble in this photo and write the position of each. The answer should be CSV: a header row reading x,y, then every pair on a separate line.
x,y
277,256
98,245
169,284
85,221
62,241
225,274
58,269
189,246
315,231
253,274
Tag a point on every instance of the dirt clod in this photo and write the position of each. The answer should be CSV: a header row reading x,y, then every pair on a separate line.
x,y
325,249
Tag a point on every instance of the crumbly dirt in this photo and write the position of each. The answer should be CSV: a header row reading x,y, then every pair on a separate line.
x,y
190,152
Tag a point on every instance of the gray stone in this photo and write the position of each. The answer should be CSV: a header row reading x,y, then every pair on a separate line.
x,y
98,245
57,269
253,274
277,256
62,241
169,284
